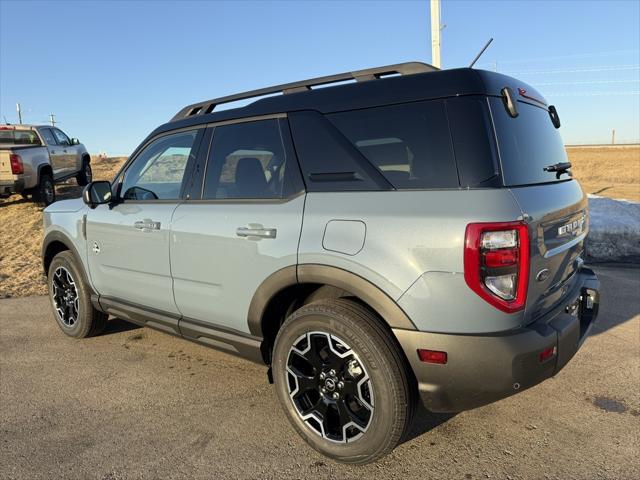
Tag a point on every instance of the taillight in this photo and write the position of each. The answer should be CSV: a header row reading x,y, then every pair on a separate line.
x,y
16,164
496,263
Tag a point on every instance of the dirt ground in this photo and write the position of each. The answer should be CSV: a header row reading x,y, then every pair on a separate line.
x,y
135,403
608,171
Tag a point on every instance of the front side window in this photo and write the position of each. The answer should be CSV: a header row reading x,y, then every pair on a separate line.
x,y
247,160
158,171
409,143
61,137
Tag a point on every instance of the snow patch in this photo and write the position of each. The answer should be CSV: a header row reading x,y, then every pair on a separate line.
x,y
614,230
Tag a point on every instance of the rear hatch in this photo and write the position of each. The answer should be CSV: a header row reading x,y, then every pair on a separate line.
x,y
553,203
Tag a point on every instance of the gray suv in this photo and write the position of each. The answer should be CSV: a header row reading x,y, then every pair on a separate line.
x,y
377,239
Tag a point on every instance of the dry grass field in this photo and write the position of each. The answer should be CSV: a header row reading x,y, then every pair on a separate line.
x,y
21,234
608,171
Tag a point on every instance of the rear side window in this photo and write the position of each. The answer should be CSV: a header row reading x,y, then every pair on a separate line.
x,y
329,162
248,160
527,144
409,143
473,142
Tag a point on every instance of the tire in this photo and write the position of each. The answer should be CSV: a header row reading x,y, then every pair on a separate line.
x,y
45,192
376,389
85,175
71,298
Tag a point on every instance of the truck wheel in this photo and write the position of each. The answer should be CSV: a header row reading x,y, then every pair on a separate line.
x,y
45,192
85,175
71,299
342,382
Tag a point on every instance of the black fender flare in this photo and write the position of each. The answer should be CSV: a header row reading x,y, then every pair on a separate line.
x,y
56,236
356,285
41,167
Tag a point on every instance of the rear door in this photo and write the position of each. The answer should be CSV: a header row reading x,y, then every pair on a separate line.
x,y
241,225
128,242
555,205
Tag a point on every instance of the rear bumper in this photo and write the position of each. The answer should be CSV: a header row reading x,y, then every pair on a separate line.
x,y
9,187
483,369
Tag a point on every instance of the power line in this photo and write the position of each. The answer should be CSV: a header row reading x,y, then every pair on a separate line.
x,y
574,55
611,68
587,82
591,94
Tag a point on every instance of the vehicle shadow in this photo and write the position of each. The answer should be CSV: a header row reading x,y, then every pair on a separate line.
x,y
117,325
425,421
619,299
13,200
65,191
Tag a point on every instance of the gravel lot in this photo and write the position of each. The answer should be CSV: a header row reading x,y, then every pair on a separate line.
x,y
135,403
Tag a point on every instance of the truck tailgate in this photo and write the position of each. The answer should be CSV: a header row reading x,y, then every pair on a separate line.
x,y
5,165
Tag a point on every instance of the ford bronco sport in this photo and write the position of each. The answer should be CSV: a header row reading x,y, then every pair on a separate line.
x,y
405,234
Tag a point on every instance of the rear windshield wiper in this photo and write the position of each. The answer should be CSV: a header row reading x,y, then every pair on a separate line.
x,y
559,168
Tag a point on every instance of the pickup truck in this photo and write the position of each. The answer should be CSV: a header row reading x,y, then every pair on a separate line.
x,y
35,157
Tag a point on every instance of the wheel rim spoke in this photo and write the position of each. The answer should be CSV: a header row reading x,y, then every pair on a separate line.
x,y
329,387
65,296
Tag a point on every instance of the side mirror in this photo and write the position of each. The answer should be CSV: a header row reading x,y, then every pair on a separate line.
x,y
97,193
75,141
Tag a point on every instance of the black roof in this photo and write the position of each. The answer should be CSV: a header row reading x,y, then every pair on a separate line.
x,y
431,84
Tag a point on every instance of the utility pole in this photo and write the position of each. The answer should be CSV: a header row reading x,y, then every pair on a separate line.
x,y
52,119
435,33
19,113
613,136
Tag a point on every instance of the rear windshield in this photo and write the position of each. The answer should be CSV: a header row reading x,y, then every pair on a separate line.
x,y
527,144
409,143
18,137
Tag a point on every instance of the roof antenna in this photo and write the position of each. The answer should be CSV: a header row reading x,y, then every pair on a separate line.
x,y
481,52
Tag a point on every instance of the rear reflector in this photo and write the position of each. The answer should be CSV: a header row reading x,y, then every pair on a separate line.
x,y
432,356
547,353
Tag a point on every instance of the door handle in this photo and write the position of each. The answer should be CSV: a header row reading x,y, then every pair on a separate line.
x,y
147,225
256,232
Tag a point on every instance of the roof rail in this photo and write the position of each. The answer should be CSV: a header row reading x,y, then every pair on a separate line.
x,y
207,106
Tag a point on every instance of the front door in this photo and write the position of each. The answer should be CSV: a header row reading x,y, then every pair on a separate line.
x,y
245,226
56,153
128,241
66,152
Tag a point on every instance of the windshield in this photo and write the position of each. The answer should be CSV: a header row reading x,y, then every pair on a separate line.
x,y
18,137
527,144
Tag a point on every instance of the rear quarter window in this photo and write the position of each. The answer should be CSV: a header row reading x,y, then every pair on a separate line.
x,y
409,144
527,144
